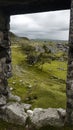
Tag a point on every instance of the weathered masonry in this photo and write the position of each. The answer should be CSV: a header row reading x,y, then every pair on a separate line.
x,y
11,7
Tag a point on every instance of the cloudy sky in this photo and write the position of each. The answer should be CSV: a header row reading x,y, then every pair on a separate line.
x,y
49,25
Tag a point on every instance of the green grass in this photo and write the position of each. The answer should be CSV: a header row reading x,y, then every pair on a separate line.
x,y
7,126
58,128
47,86
56,68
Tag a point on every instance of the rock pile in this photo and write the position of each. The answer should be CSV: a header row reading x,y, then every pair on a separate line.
x,y
46,117
21,114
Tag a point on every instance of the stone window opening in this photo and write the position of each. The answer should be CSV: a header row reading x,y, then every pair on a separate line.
x,y
5,61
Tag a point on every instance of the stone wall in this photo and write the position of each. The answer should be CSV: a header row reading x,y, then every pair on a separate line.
x,y
69,85
5,53
5,63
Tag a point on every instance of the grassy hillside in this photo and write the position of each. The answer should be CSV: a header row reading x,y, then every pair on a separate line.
x,y
41,82
15,40
42,85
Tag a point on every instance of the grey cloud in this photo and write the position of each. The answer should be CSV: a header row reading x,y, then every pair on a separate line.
x,y
50,25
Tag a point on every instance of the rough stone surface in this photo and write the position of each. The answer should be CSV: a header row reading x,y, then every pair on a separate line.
x,y
2,100
62,113
30,113
26,106
43,117
14,97
5,53
13,113
69,84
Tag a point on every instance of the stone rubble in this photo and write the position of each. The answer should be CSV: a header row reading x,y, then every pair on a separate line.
x,y
22,114
45,117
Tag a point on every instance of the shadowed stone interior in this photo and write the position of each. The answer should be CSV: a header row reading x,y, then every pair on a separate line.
x,y
32,6
12,7
69,84
5,53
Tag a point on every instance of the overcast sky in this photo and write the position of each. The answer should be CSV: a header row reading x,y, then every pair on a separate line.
x,y
49,25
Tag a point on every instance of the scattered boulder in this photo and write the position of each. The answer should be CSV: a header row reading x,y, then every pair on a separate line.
x,y
30,86
11,88
45,117
14,113
13,83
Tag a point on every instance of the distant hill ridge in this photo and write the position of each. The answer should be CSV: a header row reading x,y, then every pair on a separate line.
x,y
13,35
17,40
